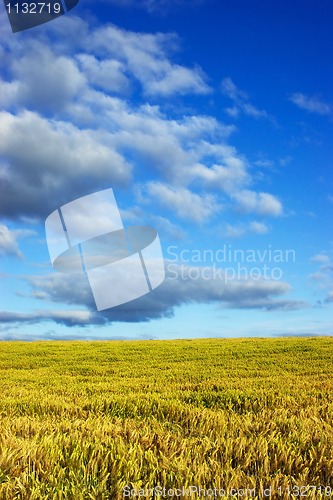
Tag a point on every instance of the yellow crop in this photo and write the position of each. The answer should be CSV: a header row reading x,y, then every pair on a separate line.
x,y
84,420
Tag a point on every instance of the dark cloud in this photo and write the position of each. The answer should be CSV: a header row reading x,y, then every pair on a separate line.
x,y
177,289
61,317
49,161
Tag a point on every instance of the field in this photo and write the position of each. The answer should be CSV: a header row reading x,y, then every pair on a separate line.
x,y
251,418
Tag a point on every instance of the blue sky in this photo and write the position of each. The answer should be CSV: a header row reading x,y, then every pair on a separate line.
x,y
212,122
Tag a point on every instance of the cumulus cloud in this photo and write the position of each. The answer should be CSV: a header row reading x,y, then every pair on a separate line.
x,y
39,79
186,204
48,160
228,176
260,203
107,74
311,104
95,137
101,126
107,56
51,159
146,57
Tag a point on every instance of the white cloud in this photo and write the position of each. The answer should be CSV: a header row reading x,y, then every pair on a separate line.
x,y
39,79
107,57
225,178
311,104
8,242
186,204
264,163
236,231
179,80
320,258
167,229
108,74
260,203
95,135
250,110
146,57
173,148
240,101
233,111
324,276
258,227
232,91
10,93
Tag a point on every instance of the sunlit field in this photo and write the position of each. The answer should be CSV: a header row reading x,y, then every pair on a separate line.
x,y
250,418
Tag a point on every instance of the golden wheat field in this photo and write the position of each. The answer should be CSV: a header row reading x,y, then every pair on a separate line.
x,y
215,418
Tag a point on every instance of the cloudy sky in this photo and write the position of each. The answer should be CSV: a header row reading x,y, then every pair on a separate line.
x,y
212,122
